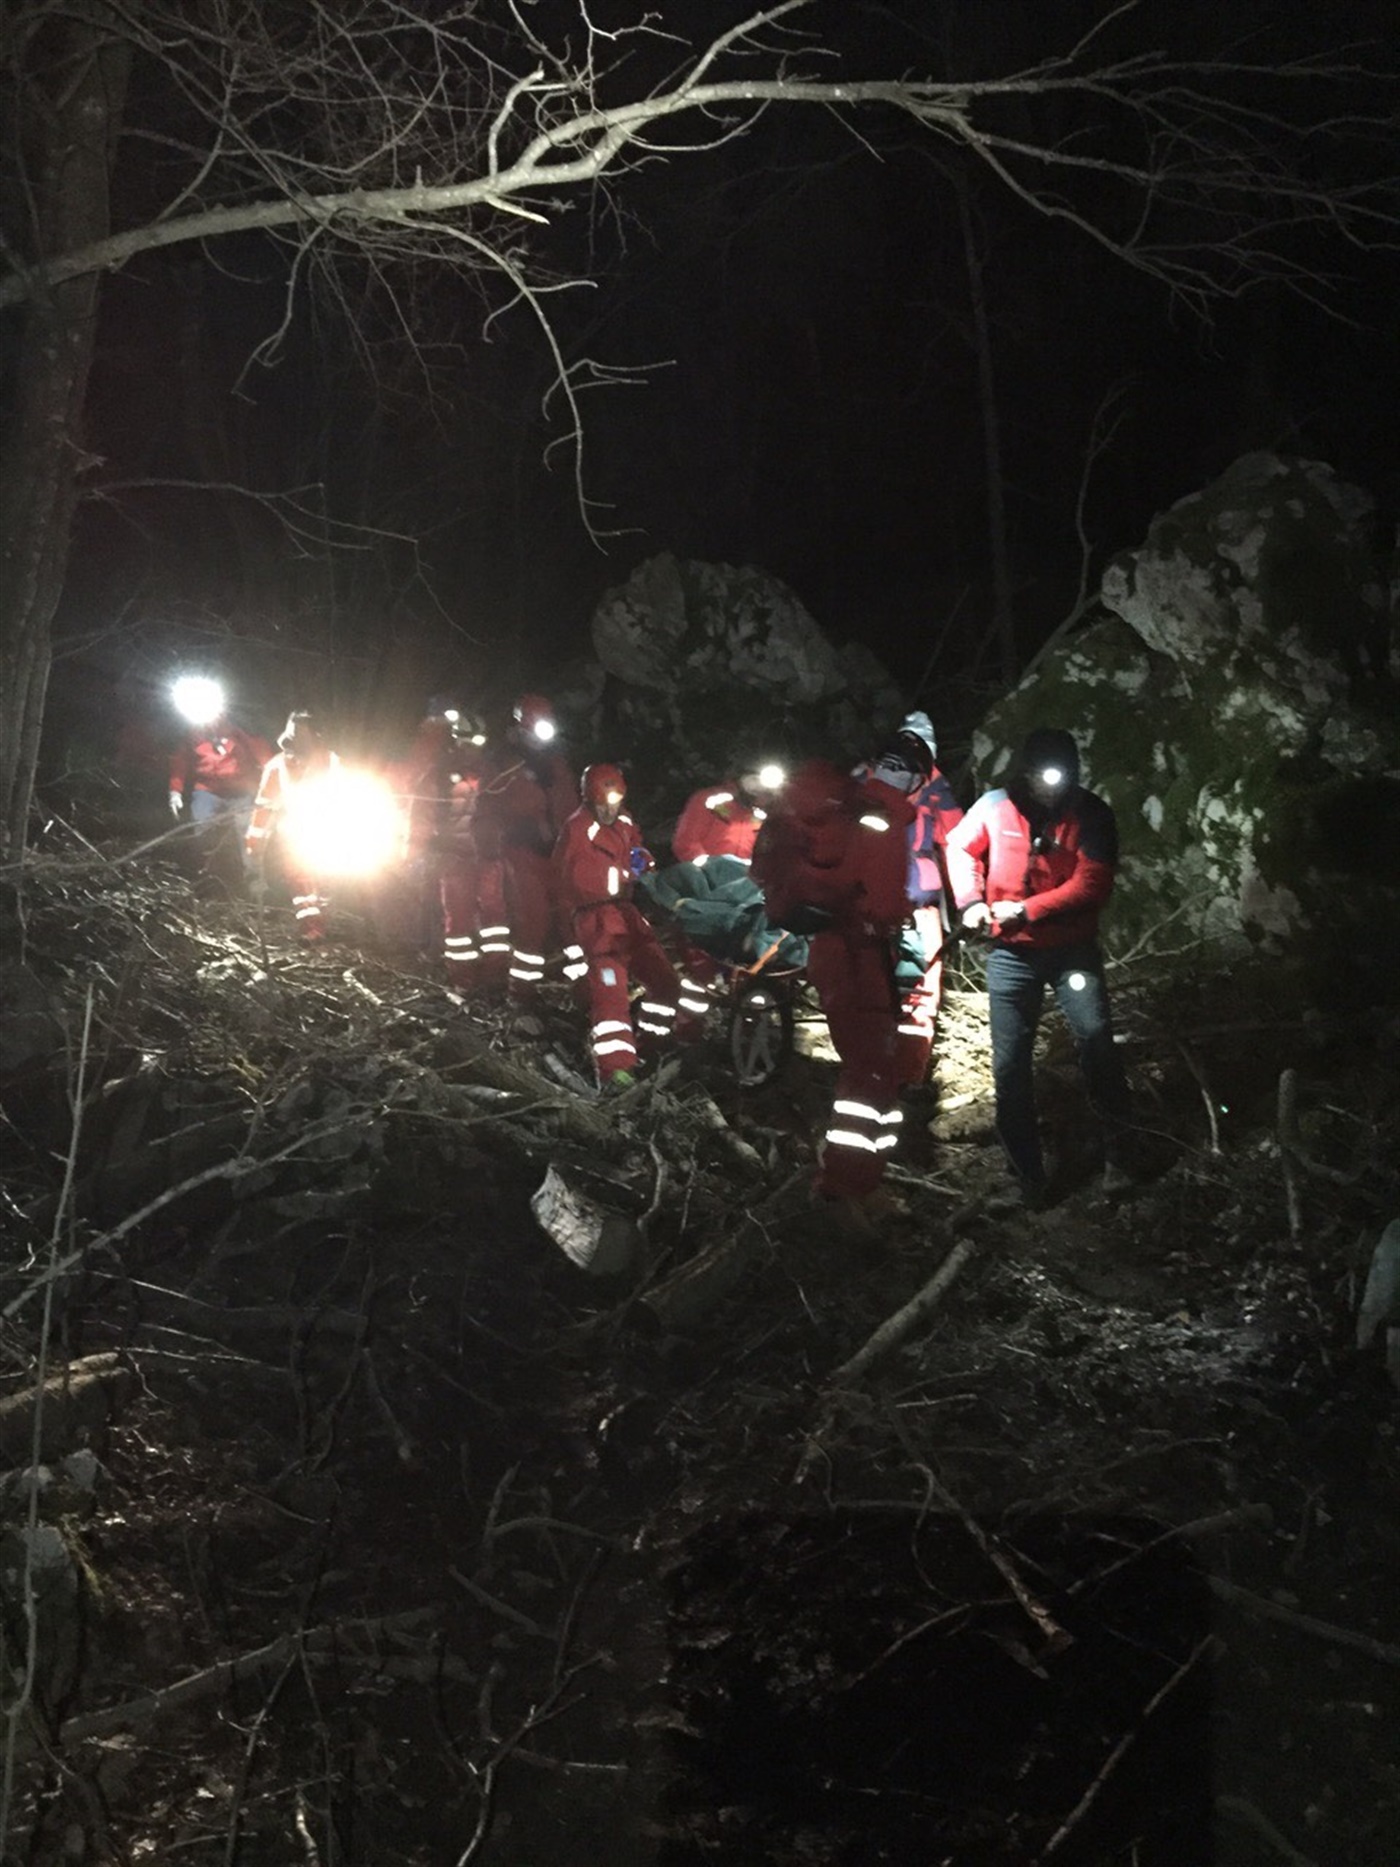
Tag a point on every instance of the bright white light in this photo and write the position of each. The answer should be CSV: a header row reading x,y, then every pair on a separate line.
x,y
452,716
771,777
613,797
342,823
1052,775
198,699
544,731
1076,982
478,739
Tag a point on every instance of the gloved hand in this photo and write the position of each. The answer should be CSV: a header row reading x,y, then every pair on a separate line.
x,y
641,862
977,918
177,804
1008,914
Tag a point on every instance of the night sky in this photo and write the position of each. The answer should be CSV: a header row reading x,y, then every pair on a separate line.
x,y
796,309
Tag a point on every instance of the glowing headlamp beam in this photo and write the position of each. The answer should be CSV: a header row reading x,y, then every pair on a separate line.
x,y
198,699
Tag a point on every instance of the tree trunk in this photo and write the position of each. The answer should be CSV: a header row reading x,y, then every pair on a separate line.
x,y
72,125
1003,628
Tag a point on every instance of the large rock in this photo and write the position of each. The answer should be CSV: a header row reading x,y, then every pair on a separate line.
x,y
712,668
709,627
1230,709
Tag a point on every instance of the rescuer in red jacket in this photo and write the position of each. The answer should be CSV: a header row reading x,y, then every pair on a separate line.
x,y
452,888
833,859
1031,866
527,795
214,776
724,819
597,860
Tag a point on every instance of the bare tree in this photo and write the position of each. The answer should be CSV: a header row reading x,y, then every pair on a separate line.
x,y
374,138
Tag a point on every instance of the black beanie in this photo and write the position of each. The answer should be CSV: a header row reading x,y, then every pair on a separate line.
x,y
1050,745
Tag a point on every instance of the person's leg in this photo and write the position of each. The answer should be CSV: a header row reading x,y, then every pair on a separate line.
x,y
1082,995
613,1044
854,978
662,1011
493,920
460,951
308,905
527,882
1015,992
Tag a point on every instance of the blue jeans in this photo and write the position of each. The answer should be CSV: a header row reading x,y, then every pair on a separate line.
x,y
221,822
1017,978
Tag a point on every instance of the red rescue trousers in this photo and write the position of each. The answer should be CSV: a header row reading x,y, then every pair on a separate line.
x,y
617,943
852,971
530,896
476,931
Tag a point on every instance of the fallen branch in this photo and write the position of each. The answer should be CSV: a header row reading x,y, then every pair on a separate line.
x,y
1237,1809
1121,1749
214,1679
904,1321
1380,1650
1245,1515
1057,1638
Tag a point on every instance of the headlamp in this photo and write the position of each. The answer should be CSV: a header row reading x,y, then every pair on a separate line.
x,y
612,797
771,777
1051,775
198,699
543,731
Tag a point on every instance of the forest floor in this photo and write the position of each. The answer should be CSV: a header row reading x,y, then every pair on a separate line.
x,y
409,1541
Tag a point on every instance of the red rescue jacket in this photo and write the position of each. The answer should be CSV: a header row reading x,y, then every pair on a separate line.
x,y
524,803
1064,872
229,763
716,821
839,843
593,861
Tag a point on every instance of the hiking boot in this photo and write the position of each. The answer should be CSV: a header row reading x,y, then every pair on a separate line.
x,y
864,1218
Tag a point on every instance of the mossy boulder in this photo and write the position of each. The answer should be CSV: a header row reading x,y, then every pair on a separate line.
x,y
1232,703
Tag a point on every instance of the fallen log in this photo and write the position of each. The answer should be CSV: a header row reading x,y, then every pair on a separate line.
x,y
80,1399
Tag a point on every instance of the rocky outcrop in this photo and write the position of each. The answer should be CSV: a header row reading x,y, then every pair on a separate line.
x,y
1232,701
711,667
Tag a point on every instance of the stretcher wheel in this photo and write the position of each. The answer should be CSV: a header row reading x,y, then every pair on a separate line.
x,y
760,1034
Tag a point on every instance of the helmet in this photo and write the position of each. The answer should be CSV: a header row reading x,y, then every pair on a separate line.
x,y
920,726
468,729
535,716
602,784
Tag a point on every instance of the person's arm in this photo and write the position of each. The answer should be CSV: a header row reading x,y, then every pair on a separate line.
x,y
1090,882
967,850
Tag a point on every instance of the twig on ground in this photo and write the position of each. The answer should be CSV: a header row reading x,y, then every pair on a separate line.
x,y
905,1320
1245,1515
202,1685
1121,1749
1238,1809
